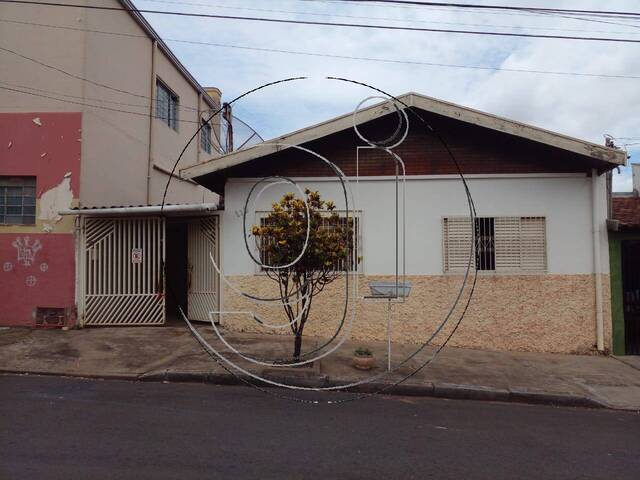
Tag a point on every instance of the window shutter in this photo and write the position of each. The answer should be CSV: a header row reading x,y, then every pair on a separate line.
x,y
457,239
534,243
520,244
508,246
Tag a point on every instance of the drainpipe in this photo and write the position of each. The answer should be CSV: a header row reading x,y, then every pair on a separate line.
x,y
199,120
597,267
154,48
79,285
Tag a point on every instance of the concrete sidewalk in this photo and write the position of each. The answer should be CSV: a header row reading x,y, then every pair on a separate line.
x,y
173,354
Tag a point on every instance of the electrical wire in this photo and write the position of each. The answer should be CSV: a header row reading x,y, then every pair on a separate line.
x,y
50,97
87,80
336,56
329,24
410,20
499,7
78,97
482,12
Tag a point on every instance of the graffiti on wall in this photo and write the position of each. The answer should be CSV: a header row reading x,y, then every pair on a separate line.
x,y
26,253
27,250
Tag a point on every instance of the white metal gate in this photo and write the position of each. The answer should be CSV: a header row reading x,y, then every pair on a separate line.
x,y
122,278
204,283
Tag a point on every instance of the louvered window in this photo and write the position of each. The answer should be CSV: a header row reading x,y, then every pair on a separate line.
x,y
503,244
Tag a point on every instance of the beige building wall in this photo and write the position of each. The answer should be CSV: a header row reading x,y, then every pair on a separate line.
x,y
536,313
118,166
64,48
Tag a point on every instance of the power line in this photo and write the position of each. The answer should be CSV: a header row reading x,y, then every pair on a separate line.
x,y
593,20
526,11
318,54
330,24
102,107
93,99
483,12
74,102
501,7
410,20
84,79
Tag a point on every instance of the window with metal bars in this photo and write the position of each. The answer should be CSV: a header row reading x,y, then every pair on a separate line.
x,y
503,244
18,200
485,252
340,265
166,105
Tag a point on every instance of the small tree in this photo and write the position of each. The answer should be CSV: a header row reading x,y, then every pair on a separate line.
x,y
282,237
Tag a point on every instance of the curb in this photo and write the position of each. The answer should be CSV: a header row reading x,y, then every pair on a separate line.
x,y
437,390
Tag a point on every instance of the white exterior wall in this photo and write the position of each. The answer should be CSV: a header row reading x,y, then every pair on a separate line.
x,y
564,199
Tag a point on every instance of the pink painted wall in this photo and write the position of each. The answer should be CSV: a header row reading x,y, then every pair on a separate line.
x,y
49,149
48,281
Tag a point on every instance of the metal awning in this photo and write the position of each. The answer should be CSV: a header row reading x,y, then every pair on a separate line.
x,y
143,210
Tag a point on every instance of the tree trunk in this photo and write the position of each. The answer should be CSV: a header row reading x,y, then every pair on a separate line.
x,y
297,346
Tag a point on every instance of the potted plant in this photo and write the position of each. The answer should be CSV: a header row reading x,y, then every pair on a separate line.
x,y
363,358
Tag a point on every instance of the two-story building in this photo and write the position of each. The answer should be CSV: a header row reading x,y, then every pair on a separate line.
x,y
94,111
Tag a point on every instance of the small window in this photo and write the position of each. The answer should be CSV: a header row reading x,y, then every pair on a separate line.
x,y
18,200
349,263
166,105
205,137
503,244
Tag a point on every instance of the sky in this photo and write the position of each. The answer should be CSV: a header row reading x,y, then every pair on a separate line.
x,y
580,106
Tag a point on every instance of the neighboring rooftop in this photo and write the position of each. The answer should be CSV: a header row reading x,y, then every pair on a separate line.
x,y
626,210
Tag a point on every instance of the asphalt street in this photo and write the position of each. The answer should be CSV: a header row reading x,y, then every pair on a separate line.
x,y
64,428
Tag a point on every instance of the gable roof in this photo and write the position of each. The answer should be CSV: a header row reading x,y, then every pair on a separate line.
x,y
130,8
609,156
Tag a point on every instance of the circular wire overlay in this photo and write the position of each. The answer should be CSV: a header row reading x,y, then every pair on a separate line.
x,y
453,317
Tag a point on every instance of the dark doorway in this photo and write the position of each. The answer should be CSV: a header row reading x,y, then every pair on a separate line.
x,y
176,269
631,295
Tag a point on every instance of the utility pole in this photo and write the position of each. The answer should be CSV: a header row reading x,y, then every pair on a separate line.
x,y
228,117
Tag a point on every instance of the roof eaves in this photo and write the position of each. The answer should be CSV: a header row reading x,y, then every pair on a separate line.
x,y
297,137
412,99
514,127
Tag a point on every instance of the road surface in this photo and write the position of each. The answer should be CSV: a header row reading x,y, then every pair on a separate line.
x,y
63,428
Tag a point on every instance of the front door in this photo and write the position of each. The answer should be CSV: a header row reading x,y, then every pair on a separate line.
x,y
631,295
203,280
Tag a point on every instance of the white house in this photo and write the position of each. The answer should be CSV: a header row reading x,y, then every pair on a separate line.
x,y
541,201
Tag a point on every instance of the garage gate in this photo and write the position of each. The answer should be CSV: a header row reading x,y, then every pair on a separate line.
x,y
123,275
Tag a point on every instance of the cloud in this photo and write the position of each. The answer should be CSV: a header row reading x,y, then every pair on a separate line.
x,y
622,181
583,107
